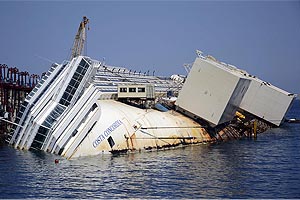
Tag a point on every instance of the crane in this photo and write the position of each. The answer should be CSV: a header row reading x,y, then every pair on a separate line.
x,y
80,38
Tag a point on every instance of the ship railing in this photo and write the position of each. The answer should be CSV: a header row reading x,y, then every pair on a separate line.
x,y
135,79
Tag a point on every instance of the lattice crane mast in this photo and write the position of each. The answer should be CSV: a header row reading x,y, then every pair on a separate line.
x,y
80,38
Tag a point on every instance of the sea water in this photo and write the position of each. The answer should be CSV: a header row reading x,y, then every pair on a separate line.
x,y
268,167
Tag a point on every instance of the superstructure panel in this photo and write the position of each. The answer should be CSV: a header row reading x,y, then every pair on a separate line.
x,y
212,92
267,101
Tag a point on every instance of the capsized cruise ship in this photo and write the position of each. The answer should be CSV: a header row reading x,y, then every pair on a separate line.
x,y
84,107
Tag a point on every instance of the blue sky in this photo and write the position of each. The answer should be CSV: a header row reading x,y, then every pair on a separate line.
x,y
261,37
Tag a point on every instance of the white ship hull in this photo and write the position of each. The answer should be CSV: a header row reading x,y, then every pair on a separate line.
x,y
135,129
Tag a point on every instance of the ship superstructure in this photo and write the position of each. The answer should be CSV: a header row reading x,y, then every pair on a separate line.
x,y
57,92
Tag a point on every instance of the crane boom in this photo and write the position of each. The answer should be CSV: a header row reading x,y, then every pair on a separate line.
x,y
80,38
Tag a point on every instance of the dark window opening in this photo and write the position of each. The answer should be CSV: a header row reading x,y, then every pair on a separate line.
x,y
141,89
74,133
132,89
111,142
94,106
60,151
123,89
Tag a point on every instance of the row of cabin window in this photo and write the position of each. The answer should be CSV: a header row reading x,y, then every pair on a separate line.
x,y
132,89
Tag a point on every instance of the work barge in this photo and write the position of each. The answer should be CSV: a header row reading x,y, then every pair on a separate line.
x,y
84,107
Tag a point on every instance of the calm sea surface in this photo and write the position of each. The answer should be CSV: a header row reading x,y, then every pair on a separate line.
x,y
268,167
